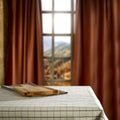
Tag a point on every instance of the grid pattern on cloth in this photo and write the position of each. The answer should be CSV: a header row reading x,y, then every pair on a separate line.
x,y
79,104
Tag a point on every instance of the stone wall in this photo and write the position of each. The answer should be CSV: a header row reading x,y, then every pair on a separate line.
x,y
1,44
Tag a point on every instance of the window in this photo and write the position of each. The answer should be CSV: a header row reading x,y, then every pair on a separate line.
x,y
58,29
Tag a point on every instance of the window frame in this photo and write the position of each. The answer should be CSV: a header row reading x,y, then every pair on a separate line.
x,y
53,34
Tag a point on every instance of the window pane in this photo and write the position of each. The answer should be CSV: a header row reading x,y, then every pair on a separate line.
x,y
62,46
47,5
47,23
62,5
47,69
62,69
62,23
47,41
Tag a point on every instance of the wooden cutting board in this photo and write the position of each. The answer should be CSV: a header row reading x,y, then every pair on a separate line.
x,y
29,90
34,90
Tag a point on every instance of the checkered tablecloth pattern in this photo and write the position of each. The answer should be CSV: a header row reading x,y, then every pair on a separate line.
x,y
79,104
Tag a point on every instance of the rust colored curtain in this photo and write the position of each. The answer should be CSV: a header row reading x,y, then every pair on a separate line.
x,y
25,47
96,58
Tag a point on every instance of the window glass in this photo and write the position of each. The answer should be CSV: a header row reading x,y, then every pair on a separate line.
x,y
62,46
62,70
47,41
62,5
62,23
46,5
47,23
48,69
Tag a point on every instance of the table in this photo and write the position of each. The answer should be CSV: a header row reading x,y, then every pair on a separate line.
x,y
80,103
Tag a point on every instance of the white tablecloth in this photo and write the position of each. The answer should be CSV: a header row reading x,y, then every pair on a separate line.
x,y
79,104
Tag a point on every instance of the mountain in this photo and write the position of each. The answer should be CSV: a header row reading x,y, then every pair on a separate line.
x,y
62,49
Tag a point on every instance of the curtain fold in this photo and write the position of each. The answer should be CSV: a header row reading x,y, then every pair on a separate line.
x,y
25,45
96,56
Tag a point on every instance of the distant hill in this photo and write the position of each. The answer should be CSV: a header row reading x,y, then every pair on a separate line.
x,y
62,49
